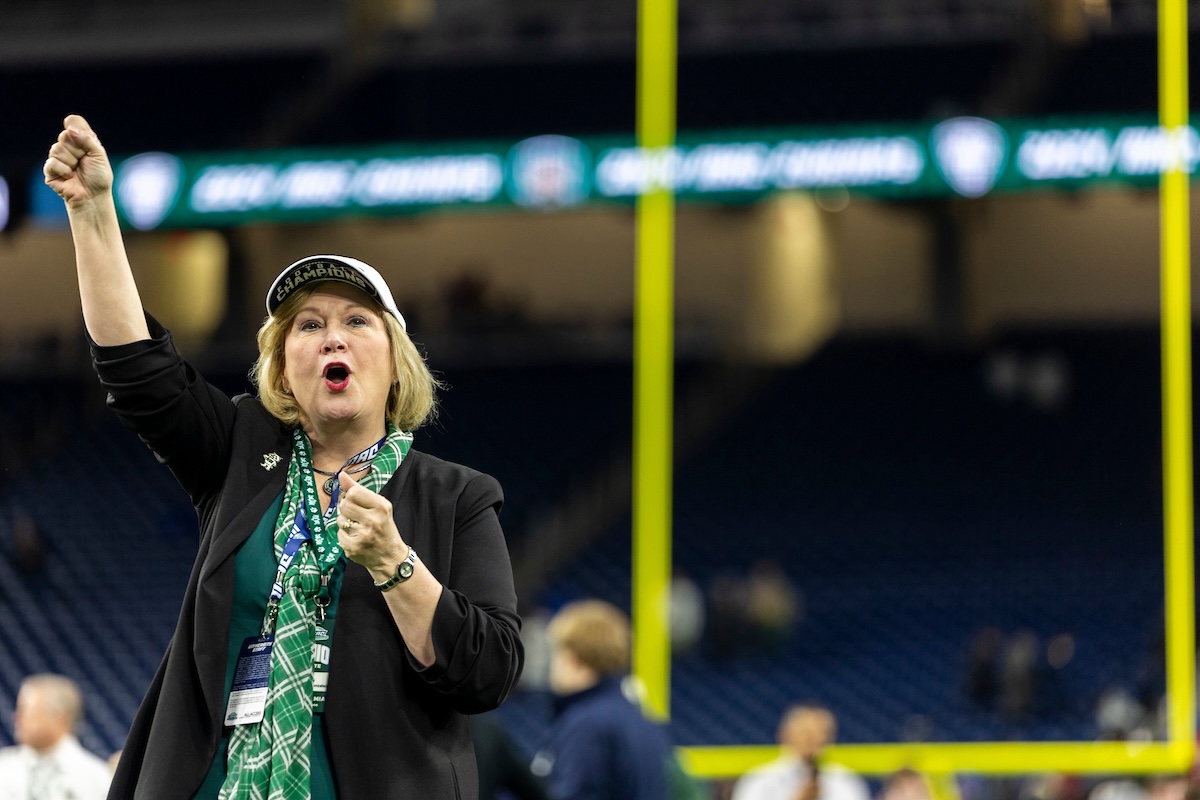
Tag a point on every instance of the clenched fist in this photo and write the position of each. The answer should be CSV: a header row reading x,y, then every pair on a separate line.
x,y
77,167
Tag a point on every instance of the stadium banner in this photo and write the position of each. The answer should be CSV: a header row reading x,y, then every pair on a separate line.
x,y
962,156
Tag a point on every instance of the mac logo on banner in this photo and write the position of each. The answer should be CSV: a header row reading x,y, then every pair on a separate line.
x,y
549,172
147,188
970,154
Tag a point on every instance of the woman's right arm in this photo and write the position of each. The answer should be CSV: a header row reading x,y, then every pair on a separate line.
x,y
187,422
78,169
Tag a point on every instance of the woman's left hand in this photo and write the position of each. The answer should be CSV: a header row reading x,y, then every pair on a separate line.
x,y
366,530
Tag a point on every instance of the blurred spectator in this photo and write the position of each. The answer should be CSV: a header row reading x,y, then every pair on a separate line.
x,y
1044,380
687,613
29,549
48,762
1049,382
981,684
1018,677
1169,787
727,602
1053,786
799,774
773,605
472,305
1004,375
1052,688
1118,713
1119,789
502,770
1151,681
907,784
600,747
536,674
466,297
917,728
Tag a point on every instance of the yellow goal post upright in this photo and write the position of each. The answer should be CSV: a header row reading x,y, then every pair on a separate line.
x,y
654,356
653,422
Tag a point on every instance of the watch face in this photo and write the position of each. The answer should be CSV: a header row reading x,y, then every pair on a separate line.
x,y
406,569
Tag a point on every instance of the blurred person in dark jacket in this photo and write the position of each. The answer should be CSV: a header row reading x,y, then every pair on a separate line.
x,y
601,747
502,770
774,606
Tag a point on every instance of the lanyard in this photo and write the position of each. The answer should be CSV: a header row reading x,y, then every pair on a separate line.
x,y
291,547
327,547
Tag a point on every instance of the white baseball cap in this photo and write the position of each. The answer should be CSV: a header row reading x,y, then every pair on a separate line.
x,y
313,269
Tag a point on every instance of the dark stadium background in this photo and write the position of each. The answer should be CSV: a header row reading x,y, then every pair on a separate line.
x,y
914,483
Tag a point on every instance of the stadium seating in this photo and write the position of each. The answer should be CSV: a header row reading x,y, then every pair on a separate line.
x,y
911,506
910,501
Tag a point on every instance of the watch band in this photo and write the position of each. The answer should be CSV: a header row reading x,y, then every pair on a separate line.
x,y
404,571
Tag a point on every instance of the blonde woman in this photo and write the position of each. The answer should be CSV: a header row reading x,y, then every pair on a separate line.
x,y
351,598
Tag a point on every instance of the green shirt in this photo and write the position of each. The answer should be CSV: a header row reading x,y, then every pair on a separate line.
x,y
254,568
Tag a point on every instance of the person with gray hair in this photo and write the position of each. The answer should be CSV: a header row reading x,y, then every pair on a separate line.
x,y
48,763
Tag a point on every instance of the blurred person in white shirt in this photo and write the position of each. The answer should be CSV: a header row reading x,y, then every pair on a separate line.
x,y
48,763
800,772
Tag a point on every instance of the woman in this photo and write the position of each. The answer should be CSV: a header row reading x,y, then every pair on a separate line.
x,y
352,598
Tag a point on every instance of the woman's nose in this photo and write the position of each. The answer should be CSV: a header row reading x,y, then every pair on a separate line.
x,y
334,341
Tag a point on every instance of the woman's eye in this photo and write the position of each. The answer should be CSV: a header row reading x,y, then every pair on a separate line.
x,y
309,325
357,320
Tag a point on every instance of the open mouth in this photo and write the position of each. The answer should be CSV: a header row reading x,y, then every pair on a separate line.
x,y
337,377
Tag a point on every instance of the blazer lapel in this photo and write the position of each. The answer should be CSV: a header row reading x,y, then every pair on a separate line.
x,y
257,474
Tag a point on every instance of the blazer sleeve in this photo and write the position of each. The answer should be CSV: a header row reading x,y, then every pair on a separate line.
x,y
187,422
476,630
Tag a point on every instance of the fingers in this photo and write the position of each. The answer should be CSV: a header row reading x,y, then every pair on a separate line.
x,y
55,170
65,156
366,530
346,480
77,122
361,497
362,520
79,140
76,141
61,165
76,166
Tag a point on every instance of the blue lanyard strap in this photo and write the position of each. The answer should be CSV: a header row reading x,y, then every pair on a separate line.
x,y
328,551
291,547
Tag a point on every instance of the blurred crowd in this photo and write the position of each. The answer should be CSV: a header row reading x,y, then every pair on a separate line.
x,y
1021,678
601,745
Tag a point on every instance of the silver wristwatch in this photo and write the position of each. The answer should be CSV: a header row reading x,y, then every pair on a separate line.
x,y
404,571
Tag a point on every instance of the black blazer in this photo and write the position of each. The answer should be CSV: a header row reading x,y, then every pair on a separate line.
x,y
394,730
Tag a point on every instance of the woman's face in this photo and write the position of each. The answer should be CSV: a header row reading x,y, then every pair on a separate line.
x,y
337,359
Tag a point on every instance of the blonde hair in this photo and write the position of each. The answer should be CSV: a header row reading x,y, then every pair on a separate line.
x,y
411,401
596,633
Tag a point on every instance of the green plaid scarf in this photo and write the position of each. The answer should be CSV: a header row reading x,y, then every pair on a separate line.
x,y
269,760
